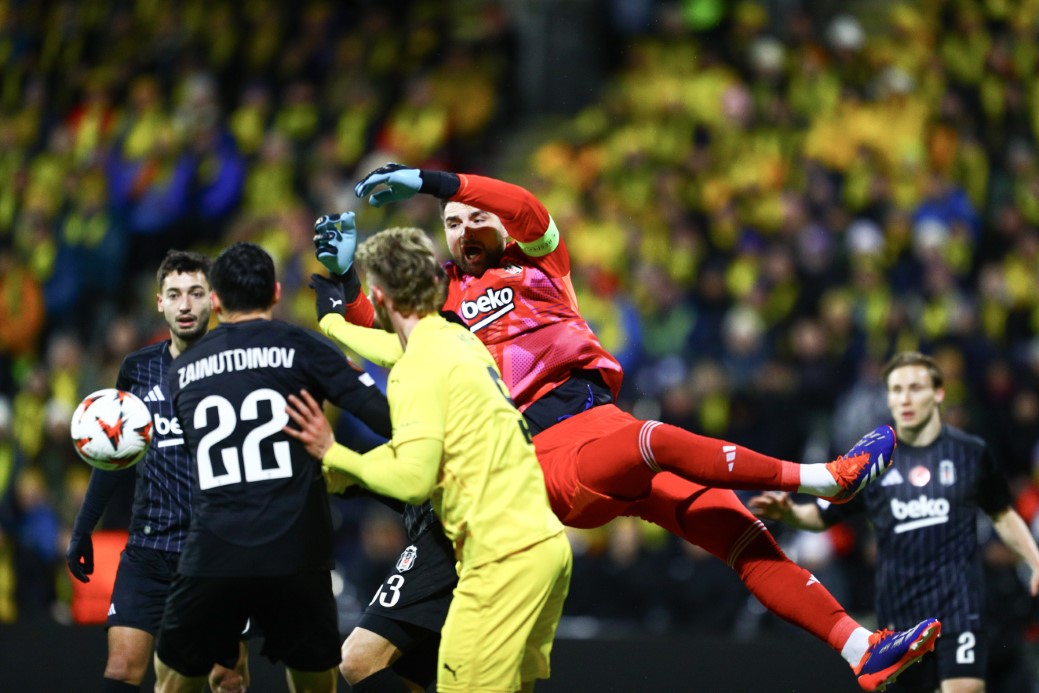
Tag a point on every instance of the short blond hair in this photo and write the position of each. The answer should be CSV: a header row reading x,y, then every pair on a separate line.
x,y
402,262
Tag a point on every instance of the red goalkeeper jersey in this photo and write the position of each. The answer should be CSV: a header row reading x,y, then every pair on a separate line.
x,y
525,310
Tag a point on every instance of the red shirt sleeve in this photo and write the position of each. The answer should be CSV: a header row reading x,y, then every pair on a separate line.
x,y
360,311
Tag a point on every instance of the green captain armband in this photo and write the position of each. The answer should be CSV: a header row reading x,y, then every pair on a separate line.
x,y
544,245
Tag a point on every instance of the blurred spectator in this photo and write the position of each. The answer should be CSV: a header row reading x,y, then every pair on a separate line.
x,y
28,412
38,553
21,315
9,464
150,187
219,170
99,246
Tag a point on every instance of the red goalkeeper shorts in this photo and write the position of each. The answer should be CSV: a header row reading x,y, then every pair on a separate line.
x,y
562,451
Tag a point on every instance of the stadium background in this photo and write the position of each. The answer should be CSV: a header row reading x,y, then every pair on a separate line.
x,y
763,199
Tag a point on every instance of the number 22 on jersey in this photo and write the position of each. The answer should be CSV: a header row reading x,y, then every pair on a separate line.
x,y
247,459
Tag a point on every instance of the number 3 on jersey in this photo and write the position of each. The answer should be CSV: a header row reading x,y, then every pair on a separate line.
x,y
388,593
226,419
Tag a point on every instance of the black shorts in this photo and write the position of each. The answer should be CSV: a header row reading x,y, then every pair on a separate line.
x,y
955,655
204,617
410,606
141,584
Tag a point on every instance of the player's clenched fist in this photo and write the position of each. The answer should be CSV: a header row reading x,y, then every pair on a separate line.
x,y
335,239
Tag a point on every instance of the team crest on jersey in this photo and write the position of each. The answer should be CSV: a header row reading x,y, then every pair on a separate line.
x,y
407,559
513,269
946,473
919,475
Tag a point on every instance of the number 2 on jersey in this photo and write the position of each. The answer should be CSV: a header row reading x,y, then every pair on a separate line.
x,y
226,422
965,648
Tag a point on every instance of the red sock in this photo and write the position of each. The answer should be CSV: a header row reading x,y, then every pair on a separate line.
x,y
620,461
717,521
789,591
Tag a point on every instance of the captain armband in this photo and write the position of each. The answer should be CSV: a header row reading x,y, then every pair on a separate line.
x,y
548,242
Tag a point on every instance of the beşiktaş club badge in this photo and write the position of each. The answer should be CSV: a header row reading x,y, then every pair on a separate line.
x,y
407,559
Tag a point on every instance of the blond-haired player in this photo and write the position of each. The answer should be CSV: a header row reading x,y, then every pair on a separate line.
x,y
459,440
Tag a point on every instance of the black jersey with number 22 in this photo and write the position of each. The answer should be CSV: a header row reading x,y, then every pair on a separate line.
x,y
260,503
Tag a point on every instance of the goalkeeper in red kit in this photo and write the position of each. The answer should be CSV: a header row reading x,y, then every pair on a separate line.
x,y
509,284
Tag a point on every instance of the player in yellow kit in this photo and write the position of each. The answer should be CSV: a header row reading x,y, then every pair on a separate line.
x,y
458,440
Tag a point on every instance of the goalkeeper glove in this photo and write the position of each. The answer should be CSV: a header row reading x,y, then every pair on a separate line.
x,y
330,297
402,182
335,239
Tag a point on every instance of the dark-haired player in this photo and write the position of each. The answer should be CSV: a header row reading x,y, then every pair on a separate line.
x,y
924,513
162,496
259,546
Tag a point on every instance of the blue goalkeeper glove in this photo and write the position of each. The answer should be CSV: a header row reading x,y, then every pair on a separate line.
x,y
335,240
402,182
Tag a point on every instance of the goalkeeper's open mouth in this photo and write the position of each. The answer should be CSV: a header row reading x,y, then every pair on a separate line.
x,y
473,252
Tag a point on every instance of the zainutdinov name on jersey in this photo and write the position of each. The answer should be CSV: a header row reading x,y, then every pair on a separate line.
x,y
236,360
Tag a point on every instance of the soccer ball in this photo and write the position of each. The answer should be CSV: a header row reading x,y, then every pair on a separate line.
x,y
111,429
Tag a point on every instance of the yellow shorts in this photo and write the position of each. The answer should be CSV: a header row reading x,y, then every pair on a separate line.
x,y
503,618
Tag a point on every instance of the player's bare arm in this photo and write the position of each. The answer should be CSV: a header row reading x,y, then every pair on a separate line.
x,y
776,505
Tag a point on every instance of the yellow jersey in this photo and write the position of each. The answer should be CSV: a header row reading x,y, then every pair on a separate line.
x,y
489,491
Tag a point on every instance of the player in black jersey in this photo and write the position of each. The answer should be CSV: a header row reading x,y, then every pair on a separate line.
x,y
259,545
924,514
162,494
394,646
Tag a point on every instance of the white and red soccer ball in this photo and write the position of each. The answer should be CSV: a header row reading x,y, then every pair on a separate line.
x,y
111,429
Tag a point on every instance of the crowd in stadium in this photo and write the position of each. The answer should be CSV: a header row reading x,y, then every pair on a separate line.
x,y
763,203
